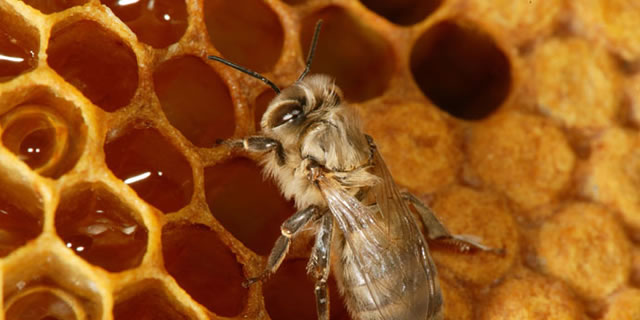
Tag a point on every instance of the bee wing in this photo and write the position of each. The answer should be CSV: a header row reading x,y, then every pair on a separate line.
x,y
388,249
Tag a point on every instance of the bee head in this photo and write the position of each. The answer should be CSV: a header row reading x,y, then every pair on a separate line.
x,y
304,101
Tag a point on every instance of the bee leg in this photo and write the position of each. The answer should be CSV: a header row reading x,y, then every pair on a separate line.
x,y
288,230
257,144
318,266
437,231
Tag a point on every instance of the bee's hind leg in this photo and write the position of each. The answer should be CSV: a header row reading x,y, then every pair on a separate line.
x,y
437,231
288,229
318,266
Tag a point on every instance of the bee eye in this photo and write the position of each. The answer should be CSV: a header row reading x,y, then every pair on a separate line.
x,y
290,112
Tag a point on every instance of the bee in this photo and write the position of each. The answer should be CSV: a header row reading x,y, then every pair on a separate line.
x,y
312,145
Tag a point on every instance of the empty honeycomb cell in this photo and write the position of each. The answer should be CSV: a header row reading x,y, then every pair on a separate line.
x,y
421,133
616,22
252,38
19,45
97,226
529,296
165,182
513,147
44,131
612,174
522,21
152,302
51,6
246,204
404,12
195,100
358,58
43,303
594,261
96,61
158,23
565,97
51,286
205,268
624,305
260,106
288,294
484,215
21,215
461,69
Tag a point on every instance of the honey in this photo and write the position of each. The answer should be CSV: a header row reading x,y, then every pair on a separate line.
x,y
249,207
101,229
158,23
96,62
165,183
15,58
196,258
17,226
195,100
238,33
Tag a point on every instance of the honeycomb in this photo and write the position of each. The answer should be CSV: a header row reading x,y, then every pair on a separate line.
x,y
517,121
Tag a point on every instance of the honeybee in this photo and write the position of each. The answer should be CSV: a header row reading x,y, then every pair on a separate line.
x,y
313,146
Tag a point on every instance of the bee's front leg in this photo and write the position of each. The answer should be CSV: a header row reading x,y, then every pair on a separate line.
x,y
318,265
437,231
257,144
288,230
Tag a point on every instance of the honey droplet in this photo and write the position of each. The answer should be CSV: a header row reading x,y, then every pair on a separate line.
x,y
205,268
97,226
15,58
155,22
164,180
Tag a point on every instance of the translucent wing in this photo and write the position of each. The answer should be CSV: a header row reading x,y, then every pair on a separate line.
x,y
388,249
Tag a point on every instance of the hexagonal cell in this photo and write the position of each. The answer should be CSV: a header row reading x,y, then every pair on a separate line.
x,y
204,267
163,180
195,100
19,44
77,51
51,6
38,287
97,226
249,207
288,294
530,296
158,23
239,33
21,212
349,51
594,261
404,12
461,69
149,300
513,147
44,131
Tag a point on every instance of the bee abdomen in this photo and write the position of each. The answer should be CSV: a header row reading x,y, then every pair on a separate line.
x,y
394,297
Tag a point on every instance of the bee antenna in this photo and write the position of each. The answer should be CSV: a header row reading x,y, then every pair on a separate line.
x,y
247,71
312,49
